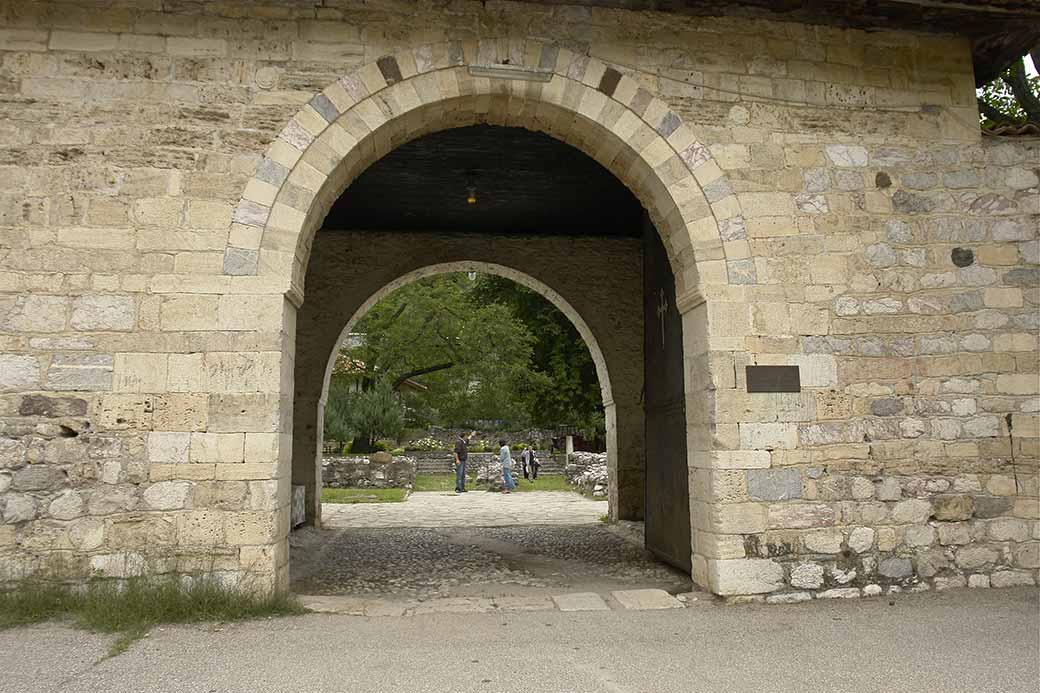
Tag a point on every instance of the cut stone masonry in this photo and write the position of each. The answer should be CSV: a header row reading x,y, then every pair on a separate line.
x,y
825,196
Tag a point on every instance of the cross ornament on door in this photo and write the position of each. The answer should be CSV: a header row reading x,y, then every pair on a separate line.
x,y
662,312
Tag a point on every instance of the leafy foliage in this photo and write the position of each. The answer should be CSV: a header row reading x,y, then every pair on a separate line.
x,y
564,388
1010,98
426,445
458,351
468,355
338,411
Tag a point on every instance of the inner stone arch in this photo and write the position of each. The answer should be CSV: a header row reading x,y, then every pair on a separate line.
x,y
309,414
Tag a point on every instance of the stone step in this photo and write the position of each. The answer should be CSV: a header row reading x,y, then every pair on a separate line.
x,y
628,600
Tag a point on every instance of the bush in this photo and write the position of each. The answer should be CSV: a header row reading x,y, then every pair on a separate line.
x,y
397,452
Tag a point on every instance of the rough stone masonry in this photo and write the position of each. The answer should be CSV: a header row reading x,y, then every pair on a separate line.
x,y
825,195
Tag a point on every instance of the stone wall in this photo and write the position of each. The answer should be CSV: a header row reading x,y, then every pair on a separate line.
x,y
819,189
910,457
443,462
588,471
375,471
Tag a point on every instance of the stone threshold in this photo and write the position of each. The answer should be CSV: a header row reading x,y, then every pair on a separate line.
x,y
617,600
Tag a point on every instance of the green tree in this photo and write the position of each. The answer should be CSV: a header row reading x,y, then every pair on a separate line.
x,y
469,355
564,387
375,413
363,416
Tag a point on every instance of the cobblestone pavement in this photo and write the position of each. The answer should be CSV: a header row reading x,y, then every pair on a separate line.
x,y
474,552
486,562
473,509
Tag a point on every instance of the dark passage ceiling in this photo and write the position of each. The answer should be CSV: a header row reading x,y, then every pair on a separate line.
x,y
525,183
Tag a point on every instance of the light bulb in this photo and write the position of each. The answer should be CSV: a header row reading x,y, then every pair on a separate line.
x,y
471,198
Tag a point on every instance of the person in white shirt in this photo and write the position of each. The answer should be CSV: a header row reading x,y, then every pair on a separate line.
x,y
507,466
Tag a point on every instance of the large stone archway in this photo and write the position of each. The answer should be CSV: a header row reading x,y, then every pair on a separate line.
x,y
576,99
153,274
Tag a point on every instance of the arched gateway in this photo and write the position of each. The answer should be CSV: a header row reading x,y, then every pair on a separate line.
x,y
854,382
539,86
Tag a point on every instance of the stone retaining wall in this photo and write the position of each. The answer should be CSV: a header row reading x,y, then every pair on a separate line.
x,y
588,471
443,462
375,471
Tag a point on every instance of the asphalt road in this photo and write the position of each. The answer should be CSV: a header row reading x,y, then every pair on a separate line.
x,y
968,640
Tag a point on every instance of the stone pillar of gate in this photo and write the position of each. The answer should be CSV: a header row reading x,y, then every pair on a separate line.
x,y
707,484
626,459
309,410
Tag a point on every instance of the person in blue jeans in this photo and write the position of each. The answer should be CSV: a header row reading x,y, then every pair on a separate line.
x,y
461,453
507,467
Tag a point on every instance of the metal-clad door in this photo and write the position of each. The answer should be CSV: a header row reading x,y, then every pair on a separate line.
x,y
667,515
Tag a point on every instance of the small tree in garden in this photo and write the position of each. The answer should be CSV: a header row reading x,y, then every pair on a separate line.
x,y
337,411
374,413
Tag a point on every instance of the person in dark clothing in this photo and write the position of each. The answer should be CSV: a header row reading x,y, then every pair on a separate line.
x,y
529,463
461,453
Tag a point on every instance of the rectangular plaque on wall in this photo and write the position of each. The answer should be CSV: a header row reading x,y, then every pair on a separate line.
x,y
773,379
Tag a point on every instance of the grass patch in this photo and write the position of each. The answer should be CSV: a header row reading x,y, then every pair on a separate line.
x,y
131,608
439,482
605,519
446,482
363,495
